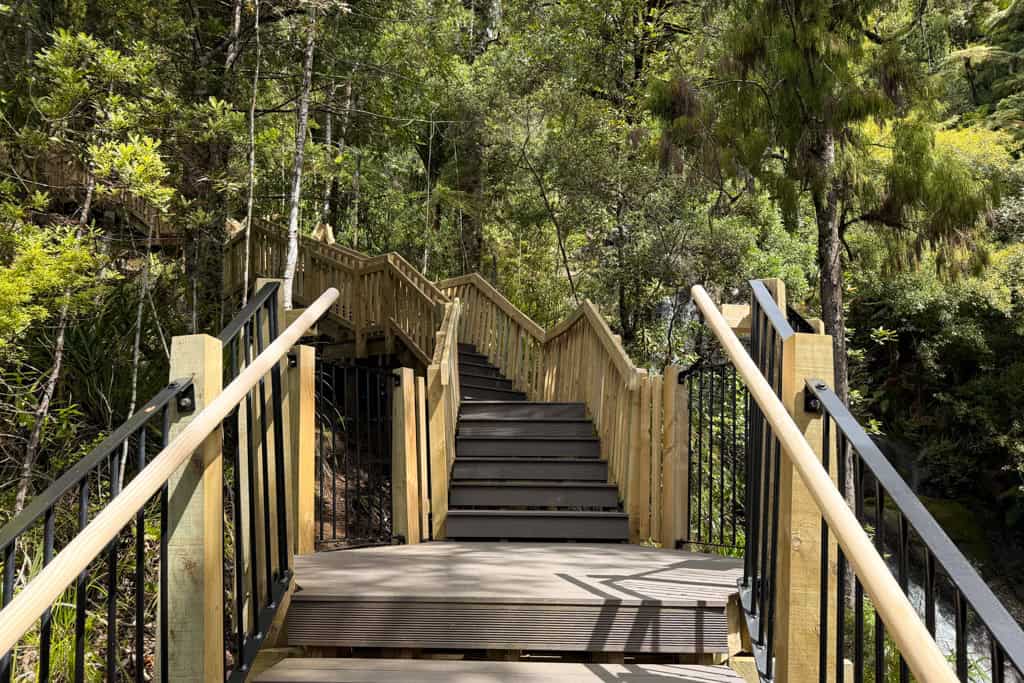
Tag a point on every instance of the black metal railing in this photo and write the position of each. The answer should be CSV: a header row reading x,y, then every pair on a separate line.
x,y
981,639
716,432
769,330
353,455
113,622
255,523
29,541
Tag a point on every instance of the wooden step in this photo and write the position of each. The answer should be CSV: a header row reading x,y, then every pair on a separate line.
x,y
485,381
523,409
474,393
468,348
520,447
473,357
536,525
514,428
539,469
535,494
463,671
478,369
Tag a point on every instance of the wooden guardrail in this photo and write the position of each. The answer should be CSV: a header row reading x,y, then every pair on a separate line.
x,y
580,359
382,296
443,399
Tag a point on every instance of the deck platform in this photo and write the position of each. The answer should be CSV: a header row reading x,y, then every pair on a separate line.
x,y
569,597
426,671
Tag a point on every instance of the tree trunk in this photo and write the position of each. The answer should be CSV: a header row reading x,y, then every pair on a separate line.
x,y
42,410
252,158
137,348
354,210
236,29
300,148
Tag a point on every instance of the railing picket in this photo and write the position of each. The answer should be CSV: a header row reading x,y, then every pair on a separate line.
x,y
823,550
140,569
46,624
80,586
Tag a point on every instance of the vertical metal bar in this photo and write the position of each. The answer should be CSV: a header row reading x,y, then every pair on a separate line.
x,y
115,489
733,450
163,641
721,458
774,539
357,470
858,589
140,569
80,586
960,625
276,389
320,457
6,663
841,447
998,660
265,468
826,443
903,561
239,538
880,664
334,459
46,624
929,591
250,454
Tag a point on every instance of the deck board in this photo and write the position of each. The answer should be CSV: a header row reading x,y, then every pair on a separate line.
x,y
435,671
551,596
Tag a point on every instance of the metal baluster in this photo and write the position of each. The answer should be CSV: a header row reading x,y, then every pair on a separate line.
x,y
265,469
826,447
80,584
902,555
276,389
162,644
46,623
6,662
140,569
357,470
858,589
250,455
689,456
929,591
841,569
700,455
880,668
115,489
239,540
733,458
721,458
998,663
960,622
773,540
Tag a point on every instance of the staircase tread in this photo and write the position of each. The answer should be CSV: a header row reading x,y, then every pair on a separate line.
x,y
525,437
482,418
526,458
609,514
513,483
327,670
530,403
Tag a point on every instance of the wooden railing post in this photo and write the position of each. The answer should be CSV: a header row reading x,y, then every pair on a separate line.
x,y
639,464
438,453
423,456
405,487
675,486
302,399
798,590
195,562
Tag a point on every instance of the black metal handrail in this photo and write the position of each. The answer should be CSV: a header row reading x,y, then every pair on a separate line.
x,y
78,479
941,554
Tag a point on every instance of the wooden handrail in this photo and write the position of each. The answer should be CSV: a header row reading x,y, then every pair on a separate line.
x,y
488,290
902,623
42,591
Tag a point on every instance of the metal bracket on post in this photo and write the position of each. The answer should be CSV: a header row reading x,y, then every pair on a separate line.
x,y
811,402
293,359
186,401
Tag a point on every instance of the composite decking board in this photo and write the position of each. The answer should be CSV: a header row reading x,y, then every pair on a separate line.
x,y
520,573
447,625
440,671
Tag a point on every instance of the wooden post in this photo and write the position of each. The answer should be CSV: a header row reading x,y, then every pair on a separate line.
x,y
639,466
423,456
675,488
405,487
302,397
798,597
438,453
195,562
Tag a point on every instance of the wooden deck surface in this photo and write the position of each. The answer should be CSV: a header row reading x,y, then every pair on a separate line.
x,y
566,597
520,573
432,671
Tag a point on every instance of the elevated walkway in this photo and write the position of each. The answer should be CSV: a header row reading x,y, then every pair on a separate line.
x,y
458,596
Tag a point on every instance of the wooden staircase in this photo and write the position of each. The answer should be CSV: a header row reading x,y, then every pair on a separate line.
x,y
527,471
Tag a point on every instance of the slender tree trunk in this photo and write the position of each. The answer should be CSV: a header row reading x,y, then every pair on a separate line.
x,y
137,347
300,147
42,411
328,144
236,29
354,213
252,158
